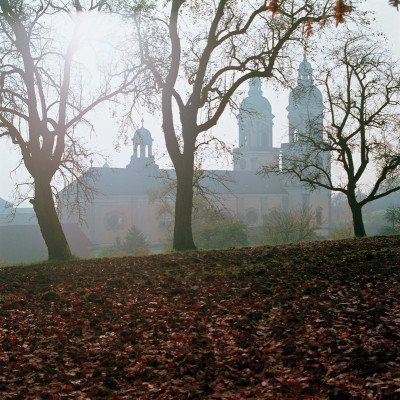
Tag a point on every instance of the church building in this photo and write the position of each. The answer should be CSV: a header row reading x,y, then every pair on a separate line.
x,y
122,198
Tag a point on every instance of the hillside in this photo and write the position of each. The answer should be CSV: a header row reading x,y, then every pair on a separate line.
x,y
315,321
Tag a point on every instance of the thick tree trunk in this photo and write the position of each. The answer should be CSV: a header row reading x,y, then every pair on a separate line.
x,y
50,226
183,236
358,223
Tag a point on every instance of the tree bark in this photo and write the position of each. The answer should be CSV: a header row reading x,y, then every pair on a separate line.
x,y
358,223
183,235
50,226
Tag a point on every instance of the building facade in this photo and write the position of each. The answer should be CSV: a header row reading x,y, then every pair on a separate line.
x,y
123,193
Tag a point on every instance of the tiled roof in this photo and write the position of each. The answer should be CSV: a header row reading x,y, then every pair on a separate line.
x,y
4,204
127,182
24,243
21,243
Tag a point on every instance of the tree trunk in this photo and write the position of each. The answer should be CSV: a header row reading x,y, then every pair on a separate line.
x,y
358,223
183,236
50,226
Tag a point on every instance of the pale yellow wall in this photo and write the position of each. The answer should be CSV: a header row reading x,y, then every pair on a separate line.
x,y
107,235
322,200
136,210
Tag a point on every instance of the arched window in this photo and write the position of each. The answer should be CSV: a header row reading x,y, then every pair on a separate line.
x,y
252,217
114,221
296,135
318,215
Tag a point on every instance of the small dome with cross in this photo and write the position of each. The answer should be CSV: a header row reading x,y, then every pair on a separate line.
x,y
142,148
142,137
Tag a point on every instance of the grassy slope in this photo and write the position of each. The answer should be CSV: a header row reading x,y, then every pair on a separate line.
x,y
313,320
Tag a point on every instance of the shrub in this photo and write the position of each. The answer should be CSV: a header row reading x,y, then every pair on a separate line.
x,y
342,231
111,251
135,242
224,232
280,227
140,251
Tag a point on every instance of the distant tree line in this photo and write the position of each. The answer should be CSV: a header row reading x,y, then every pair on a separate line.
x,y
392,217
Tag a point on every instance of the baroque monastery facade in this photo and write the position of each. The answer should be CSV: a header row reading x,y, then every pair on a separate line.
x,y
123,201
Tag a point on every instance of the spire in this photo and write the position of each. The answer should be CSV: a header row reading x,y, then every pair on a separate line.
x,y
305,73
305,109
255,87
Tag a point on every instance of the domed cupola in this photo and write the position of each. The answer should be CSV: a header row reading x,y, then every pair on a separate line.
x,y
255,131
305,110
305,73
255,102
142,148
255,118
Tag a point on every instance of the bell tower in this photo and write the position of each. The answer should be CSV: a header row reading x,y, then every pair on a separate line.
x,y
255,130
142,149
306,150
305,110
305,115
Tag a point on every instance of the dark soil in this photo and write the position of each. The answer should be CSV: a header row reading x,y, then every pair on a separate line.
x,y
309,321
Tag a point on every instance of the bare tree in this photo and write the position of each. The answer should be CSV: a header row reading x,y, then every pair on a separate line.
x,y
362,92
291,226
213,225
42,101
200,53
392,216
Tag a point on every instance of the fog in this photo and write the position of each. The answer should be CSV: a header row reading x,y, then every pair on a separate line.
x,y
117,153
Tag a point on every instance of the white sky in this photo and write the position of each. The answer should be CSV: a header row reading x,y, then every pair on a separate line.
x,y
387,21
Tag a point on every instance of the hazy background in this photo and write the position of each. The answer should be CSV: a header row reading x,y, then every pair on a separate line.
x,y
104,138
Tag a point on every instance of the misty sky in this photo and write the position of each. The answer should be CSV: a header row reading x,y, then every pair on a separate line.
x,y
103,140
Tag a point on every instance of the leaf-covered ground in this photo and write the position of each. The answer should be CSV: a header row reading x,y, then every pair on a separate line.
x,y
309,321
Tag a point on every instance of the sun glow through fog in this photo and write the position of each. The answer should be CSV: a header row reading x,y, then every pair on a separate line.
x,y
93,33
